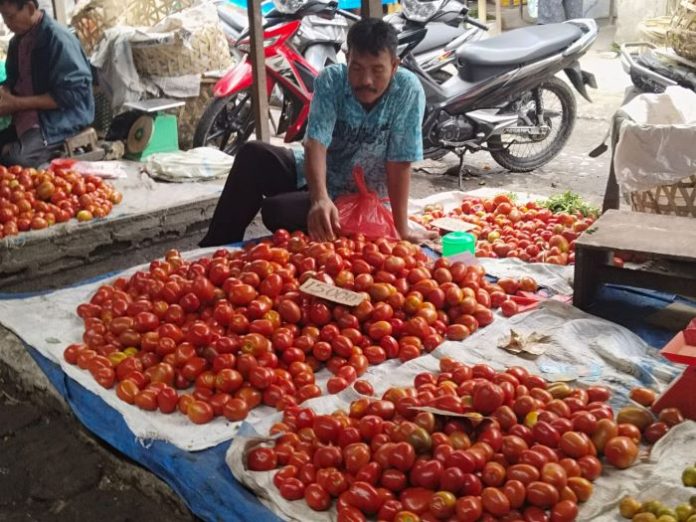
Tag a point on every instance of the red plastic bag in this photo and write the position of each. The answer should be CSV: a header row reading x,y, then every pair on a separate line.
x,y
364,213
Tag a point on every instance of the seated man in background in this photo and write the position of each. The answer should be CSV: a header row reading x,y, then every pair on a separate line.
x,y
368,113
48,91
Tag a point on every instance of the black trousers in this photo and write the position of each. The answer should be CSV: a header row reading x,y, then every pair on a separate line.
x,y
263,177
28,150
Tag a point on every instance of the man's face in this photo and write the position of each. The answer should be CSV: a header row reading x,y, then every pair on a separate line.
x,y
19,21
369,75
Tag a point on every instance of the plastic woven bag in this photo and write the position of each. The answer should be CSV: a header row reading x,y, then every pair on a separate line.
x,y
364,213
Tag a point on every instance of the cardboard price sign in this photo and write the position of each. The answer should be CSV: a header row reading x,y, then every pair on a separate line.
x,y
452,225
331,293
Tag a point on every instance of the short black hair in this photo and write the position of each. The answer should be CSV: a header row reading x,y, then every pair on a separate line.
x,y
372,35
19,4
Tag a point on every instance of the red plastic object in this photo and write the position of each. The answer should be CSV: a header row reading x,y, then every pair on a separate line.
x,y
679,351
529,301
364,213
680,393
690,333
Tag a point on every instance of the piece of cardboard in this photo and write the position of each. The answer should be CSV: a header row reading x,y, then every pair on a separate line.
x,y
332,293
452,224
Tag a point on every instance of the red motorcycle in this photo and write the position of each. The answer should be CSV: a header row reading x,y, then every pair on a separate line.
x,y
228,121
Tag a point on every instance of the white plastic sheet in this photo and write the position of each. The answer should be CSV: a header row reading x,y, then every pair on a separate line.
x,y
656,140
592,350
62,327
197,164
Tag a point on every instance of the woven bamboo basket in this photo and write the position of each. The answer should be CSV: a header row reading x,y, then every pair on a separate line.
x,y
191,113
146,13
91,19
682,32
678,199
654,30
206,50
94,17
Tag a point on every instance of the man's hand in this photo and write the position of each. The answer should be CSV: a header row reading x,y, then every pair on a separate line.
x,y
419,237
8,102
322,220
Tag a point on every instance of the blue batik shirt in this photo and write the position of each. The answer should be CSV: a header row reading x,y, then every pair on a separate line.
x,y
390,131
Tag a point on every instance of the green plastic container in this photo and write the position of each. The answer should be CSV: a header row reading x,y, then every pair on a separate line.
x,y
5,121
458,242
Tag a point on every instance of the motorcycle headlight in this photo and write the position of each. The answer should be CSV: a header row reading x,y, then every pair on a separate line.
x,y
288,6
420,11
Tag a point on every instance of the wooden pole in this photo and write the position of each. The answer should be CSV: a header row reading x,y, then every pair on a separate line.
x,y
482,11
258,67
60,11
371,8
499,17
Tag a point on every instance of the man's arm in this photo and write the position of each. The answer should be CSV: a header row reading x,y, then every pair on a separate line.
x,y
10,104
398,183
322,220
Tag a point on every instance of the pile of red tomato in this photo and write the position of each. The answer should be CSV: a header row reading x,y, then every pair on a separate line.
x,y
234,330
33,199
518,449
505,229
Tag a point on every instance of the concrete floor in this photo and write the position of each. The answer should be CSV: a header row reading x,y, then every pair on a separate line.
x,y
110,488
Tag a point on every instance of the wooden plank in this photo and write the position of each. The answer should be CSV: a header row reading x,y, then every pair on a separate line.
x,y
668,236
371,8
258,66
656,281
586,280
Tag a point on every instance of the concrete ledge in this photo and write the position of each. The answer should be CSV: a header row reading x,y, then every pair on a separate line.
x,y
151,213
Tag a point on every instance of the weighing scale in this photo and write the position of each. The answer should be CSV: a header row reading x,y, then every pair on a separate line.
x,y
150,128
680,394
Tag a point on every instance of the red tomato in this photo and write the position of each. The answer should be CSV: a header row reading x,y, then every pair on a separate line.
x,y
495,502
416,499
200,412
621,452
292,489
364,497
317,497
332,480
262,459
469,509
542,495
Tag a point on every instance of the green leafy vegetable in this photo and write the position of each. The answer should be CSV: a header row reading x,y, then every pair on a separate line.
x,y
570,203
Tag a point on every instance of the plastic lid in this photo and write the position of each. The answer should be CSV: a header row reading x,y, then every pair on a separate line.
x,y
458,242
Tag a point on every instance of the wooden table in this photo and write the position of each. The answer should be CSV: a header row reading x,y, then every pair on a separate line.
x,y
668,241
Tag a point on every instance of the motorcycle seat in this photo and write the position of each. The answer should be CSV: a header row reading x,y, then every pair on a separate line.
x,y
494,56
437,37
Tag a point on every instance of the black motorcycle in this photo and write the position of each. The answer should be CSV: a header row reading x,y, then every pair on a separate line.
x,y
504,97
652,72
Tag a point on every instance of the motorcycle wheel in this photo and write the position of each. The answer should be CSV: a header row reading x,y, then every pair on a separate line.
x,y
559,113
226,123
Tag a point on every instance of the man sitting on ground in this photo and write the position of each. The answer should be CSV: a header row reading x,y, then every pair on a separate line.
x,y
48,91
367,113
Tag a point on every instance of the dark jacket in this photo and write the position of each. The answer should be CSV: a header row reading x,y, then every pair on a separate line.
x,y
58,67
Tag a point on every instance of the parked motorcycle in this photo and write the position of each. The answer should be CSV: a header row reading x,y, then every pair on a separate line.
x,y
292,63
652,72
318,38
505,97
